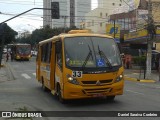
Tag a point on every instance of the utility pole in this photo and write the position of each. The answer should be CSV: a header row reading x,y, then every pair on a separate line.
x,y
150,29
114,29
65,19
55,16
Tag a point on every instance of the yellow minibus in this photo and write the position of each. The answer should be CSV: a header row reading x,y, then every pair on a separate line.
x,y
80,65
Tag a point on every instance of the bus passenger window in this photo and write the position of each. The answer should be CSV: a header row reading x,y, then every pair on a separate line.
x,y
59,60
59,54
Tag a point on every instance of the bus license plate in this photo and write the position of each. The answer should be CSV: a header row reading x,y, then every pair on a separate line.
x,y
99,95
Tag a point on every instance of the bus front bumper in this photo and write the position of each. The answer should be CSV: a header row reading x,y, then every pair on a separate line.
x,y
77,92
23,57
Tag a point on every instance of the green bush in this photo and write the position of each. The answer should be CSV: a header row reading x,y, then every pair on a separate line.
x,y
139,60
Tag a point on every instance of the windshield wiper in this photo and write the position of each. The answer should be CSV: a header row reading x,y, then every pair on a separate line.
x,y
102,55
87,58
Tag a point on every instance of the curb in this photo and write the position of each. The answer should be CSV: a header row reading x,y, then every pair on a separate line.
x,y
140,80
10,72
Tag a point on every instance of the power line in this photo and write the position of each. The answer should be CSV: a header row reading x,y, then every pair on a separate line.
x,y
132,8
18,3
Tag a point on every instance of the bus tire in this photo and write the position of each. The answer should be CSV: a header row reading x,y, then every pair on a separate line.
x,y
59,94
110,98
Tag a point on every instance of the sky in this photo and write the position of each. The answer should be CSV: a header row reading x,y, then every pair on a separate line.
x,y
28,21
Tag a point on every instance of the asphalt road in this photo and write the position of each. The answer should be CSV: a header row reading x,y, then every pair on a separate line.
x,y
25,93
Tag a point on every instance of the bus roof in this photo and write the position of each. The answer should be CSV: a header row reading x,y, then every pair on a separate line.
x,y
73,33
18,44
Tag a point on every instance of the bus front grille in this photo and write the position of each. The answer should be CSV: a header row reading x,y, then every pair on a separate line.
x,y
97,90
101,82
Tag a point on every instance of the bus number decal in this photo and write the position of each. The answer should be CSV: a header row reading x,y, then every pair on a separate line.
x,y
77,74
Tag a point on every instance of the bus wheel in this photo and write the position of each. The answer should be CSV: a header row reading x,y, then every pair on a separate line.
x,y
59,94
110,98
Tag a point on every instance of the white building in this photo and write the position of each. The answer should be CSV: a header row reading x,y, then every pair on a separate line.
x,y
109,4
96,20
97,23
71,12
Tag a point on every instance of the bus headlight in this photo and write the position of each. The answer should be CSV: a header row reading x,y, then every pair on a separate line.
x,y
17,57
73,81
119,78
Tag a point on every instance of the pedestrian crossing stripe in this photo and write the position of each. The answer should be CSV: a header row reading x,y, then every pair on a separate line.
x,y
34,74
26,76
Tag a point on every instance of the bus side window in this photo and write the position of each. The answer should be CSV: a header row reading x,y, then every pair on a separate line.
x,y
43,53
59,60
48,54
59,54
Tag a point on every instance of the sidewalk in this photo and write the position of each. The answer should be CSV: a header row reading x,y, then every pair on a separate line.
x,y
3,73
6,72
138,76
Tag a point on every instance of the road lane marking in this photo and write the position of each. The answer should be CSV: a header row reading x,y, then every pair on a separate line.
x,y
26,76
152,86
34,74
135,92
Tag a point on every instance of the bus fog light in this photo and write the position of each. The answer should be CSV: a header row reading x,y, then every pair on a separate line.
x,y
119,78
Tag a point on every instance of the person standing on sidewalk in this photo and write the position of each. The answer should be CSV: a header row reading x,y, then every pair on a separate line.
x,y
128,60
7,57
11,54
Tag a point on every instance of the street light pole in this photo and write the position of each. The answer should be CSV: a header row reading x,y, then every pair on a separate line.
x,y
2,28
24,13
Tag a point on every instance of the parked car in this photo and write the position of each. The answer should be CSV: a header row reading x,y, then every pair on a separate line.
x,y
33,53
4,51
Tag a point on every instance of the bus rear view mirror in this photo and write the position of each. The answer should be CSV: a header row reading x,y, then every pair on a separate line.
x,y
58,47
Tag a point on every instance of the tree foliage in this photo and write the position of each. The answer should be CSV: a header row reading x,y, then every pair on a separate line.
x,y
42,34
8,34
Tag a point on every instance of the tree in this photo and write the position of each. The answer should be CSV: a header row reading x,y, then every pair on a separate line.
x,y
42,34
8,34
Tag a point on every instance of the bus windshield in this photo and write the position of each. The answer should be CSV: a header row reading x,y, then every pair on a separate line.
x,y
91,52
23,49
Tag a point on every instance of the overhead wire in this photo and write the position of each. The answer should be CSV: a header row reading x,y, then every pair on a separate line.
x,y
81,11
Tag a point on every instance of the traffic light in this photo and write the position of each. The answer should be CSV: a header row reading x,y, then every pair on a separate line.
x,y
55,10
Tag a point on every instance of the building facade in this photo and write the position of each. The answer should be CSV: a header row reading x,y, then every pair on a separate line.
x,y
97,19
155,11
109,4
71,12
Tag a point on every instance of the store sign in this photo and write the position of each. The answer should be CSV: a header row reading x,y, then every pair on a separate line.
x,y
139,35
135,35
142,14
113,31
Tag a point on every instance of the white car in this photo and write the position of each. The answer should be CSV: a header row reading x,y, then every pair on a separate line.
x,y
33,53
4,51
